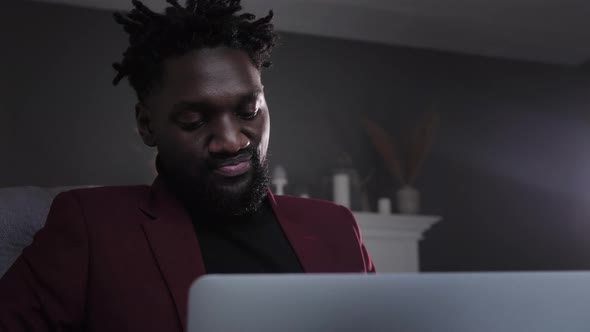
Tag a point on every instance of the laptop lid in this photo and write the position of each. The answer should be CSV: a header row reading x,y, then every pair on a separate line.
x,y
556,302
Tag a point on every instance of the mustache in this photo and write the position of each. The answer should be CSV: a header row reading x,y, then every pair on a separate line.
x,y
246,154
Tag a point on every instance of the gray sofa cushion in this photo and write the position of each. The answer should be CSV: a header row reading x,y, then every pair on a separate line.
x,y
23,211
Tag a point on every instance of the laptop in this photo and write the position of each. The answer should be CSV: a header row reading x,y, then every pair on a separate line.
x,y
454,302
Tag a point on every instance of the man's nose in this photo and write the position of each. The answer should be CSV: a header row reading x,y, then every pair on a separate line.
x,y
227,136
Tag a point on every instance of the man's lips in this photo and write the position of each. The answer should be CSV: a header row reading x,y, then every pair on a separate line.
x,y
233,167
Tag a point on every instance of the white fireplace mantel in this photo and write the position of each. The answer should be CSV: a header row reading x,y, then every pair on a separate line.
x,y
392,240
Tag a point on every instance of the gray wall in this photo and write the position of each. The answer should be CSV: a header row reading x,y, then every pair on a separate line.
x,y
509,172
66,123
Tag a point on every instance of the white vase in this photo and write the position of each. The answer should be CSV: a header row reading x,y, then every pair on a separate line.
x,y
408,200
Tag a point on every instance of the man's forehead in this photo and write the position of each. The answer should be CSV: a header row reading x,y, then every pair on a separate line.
x,y
213,70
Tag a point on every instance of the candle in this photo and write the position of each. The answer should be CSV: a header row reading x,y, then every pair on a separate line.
x,y
341,189
384,206
279,180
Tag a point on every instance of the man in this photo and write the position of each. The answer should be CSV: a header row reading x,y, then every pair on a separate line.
x,y
123,258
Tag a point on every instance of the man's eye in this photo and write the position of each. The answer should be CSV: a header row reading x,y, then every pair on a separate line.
x,y
248,115
192,125
190,120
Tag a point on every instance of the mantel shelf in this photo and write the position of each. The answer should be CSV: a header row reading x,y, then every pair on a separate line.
x,y
392,240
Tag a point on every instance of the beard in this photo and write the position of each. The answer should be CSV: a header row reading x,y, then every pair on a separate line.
x,y
210,195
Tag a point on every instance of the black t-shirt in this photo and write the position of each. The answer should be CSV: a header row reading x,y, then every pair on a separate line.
x,y
253,244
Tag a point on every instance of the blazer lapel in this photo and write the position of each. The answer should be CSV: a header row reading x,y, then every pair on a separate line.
x,y
312,251
174,244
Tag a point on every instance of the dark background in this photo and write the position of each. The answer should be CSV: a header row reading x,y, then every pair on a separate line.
x,y
509,172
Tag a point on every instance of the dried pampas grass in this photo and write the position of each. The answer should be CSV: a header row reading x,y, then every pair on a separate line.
x,y
404,163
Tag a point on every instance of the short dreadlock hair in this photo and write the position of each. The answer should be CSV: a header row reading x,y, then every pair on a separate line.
x,y
154,37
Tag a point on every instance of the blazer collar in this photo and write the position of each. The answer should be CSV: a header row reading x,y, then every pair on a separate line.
x,y
309,245
173,242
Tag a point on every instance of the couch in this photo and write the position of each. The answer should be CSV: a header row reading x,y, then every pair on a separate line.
x,y
23,211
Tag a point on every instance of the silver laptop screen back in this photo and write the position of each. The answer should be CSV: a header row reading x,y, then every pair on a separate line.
x,y
556,302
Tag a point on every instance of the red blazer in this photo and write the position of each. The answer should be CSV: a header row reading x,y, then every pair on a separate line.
x,y
123,258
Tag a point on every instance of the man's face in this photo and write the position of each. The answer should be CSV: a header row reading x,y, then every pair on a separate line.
x,y
210,123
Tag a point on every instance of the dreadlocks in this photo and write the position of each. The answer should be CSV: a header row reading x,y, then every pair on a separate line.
x,y
154,37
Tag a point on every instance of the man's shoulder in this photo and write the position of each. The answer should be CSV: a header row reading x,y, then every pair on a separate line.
x,y
109,191
312,209
109,195
302,202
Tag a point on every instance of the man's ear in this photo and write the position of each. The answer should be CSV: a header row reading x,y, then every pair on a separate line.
x,y
143,117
